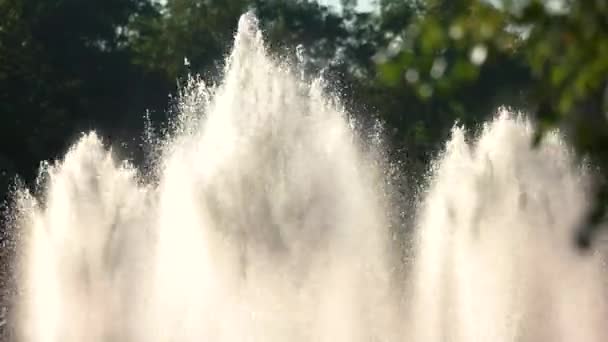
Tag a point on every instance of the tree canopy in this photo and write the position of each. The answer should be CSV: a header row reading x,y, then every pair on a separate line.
x,y
67,66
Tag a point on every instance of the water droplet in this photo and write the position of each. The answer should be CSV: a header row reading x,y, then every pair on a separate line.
x,y
300,53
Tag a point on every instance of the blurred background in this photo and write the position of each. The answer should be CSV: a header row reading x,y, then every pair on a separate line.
x,y
68,66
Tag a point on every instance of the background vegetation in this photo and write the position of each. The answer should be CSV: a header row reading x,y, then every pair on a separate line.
x,y
67,66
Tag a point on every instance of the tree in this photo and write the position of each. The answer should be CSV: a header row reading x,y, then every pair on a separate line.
x,y
64,67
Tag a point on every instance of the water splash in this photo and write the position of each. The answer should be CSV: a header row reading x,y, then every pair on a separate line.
x,y
495,258
267,219
265,224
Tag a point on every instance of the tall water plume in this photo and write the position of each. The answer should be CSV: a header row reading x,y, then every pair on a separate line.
x,y
267,219
265,223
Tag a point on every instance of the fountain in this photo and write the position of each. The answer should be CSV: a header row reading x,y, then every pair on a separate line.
x,y
267,218
495,258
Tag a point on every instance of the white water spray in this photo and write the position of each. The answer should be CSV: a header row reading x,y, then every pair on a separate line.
x,y
265,225
268,222
495,255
